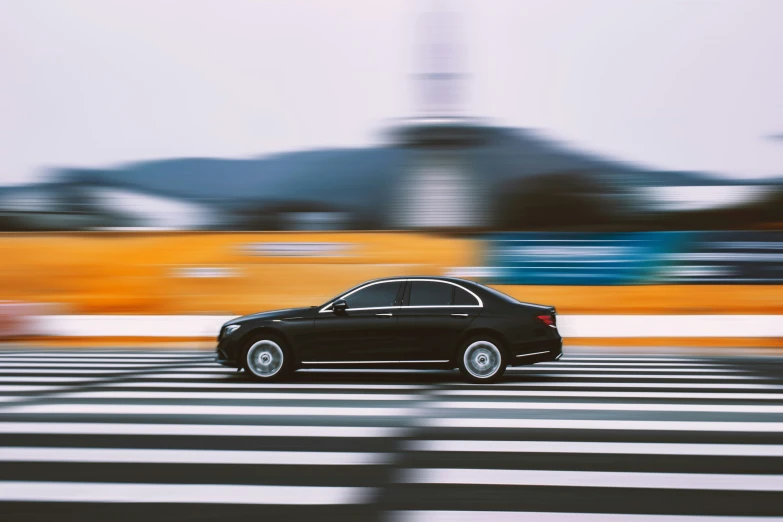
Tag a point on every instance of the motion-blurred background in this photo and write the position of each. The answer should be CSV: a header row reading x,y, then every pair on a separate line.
x,y
181,158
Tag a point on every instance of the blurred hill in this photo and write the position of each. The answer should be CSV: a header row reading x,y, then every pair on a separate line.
x,y
510,176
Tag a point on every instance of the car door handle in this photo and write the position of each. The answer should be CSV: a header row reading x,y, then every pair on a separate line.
x,y
459,315
383,315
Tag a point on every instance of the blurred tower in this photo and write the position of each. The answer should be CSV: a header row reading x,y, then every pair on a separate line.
x,y
439,189
439,78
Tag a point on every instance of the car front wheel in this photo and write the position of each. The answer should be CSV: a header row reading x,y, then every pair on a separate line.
x,y
266,359
482,361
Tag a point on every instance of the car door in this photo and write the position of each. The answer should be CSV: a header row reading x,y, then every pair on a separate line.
x,y
434,316
366,332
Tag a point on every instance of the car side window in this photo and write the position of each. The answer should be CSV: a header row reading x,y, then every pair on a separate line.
x,y
463,298
374,296
430,293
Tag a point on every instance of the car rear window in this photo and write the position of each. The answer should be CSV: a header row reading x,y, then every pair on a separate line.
x,y
430,293
463,298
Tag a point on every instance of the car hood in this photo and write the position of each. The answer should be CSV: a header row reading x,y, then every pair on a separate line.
x,y
273,314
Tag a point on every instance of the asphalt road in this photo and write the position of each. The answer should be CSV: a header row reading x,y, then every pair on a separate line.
x,y
167,435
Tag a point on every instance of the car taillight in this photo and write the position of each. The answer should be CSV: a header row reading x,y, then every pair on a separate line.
x,y
548,319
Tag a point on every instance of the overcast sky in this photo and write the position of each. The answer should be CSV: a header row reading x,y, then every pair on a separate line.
x,y
671,84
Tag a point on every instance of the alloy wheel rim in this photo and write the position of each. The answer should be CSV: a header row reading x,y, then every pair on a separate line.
x,y
482,359
265,358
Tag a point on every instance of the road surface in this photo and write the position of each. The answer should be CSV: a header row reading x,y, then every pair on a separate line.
x,y
167,435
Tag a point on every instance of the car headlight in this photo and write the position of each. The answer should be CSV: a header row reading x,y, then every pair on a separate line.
x,y
230,329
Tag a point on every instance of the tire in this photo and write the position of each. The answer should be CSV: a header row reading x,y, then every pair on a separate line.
x,y
267,359
482,360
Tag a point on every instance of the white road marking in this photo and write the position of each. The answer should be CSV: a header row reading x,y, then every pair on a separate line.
x,y
518,516
643,369
192,395
135,354
634,358
268,386
180,493
217,430
64,371
607,384
634,375
25,388
33,367
631,362
199,369
188,409
188,456
590,424
760,396
6,379
605,406
616,448
594,479
184,376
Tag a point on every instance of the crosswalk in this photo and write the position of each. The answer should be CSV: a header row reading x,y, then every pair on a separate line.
x,y
169,435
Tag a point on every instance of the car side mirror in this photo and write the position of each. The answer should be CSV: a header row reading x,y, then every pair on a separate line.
x,y
340,306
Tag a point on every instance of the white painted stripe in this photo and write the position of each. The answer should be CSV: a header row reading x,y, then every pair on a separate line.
x,y
645,369
64,371
12,378
518,516
368,371
37,366
150,370
594,479
267,386
217,430
180,493
187,395
605,406
187,456
630,364
614,448
188,409
588,384
376,362
25,388
636,358
589,424
185,376
615,394
195,369
551,373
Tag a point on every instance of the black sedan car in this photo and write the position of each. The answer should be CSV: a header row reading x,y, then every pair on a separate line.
x,y
401,322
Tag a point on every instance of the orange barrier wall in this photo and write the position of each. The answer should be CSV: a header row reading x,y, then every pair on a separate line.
x,y
236,273
183,273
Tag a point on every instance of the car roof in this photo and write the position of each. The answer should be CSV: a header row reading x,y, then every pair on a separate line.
x,y
404,278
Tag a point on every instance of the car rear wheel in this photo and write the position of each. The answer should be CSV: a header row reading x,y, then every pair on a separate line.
x,y
266,359
482,360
